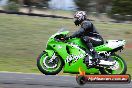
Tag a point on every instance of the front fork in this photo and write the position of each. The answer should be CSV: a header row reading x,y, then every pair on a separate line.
x,y
51,55
52,58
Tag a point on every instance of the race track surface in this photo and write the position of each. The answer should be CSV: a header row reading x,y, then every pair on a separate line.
x,y
19,80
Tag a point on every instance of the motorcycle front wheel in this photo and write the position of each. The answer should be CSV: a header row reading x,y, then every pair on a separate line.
x,y
47,67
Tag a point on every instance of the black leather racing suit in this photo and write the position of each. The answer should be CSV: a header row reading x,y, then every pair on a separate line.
x,y
89,35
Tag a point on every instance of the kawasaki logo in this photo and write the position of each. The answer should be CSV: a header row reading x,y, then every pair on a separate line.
x,y
73,57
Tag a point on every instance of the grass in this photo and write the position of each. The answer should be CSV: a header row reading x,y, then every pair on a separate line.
x,y
23,38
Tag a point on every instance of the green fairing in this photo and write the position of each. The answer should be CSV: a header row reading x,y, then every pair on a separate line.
x,y
72,52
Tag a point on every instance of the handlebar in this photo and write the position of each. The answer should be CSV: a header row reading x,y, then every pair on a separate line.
x,y
60,38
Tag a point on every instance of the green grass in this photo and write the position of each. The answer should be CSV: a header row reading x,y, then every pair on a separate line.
x,y
23,38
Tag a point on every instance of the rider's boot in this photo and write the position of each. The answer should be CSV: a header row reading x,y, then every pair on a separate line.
x,y
91,59
96,58
93,54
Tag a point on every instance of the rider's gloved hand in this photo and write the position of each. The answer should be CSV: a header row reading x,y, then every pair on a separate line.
x,y
67,38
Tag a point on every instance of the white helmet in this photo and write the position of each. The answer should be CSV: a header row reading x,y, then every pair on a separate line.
x,y
80,15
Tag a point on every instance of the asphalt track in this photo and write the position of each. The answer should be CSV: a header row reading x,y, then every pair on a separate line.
x,y
20,80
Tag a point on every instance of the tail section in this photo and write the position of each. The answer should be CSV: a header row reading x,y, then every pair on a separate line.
x,y
110,45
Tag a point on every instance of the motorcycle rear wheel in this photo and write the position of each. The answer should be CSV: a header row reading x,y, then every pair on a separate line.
x,y
122,66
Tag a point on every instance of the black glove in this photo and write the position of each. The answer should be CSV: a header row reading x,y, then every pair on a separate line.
x,y
67,38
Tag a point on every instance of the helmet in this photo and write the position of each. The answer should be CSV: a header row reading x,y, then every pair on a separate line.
x,y
79,16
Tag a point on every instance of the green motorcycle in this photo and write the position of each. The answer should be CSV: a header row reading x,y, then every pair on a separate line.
x,y
70,54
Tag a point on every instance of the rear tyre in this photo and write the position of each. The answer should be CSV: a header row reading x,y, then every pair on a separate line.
x,y
49,68
119,68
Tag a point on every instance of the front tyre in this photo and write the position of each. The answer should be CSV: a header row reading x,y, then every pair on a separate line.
x,y
120,66
47,67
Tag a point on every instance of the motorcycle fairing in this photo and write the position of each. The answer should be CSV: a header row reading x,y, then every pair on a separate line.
x,y
72,48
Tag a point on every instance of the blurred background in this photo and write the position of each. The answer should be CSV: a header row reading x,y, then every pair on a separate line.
x,y
105,10
24,37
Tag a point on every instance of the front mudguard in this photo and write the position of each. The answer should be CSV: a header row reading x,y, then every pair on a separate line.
x,y
49,52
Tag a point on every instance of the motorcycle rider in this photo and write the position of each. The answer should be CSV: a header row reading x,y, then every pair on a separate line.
x,y
89,35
